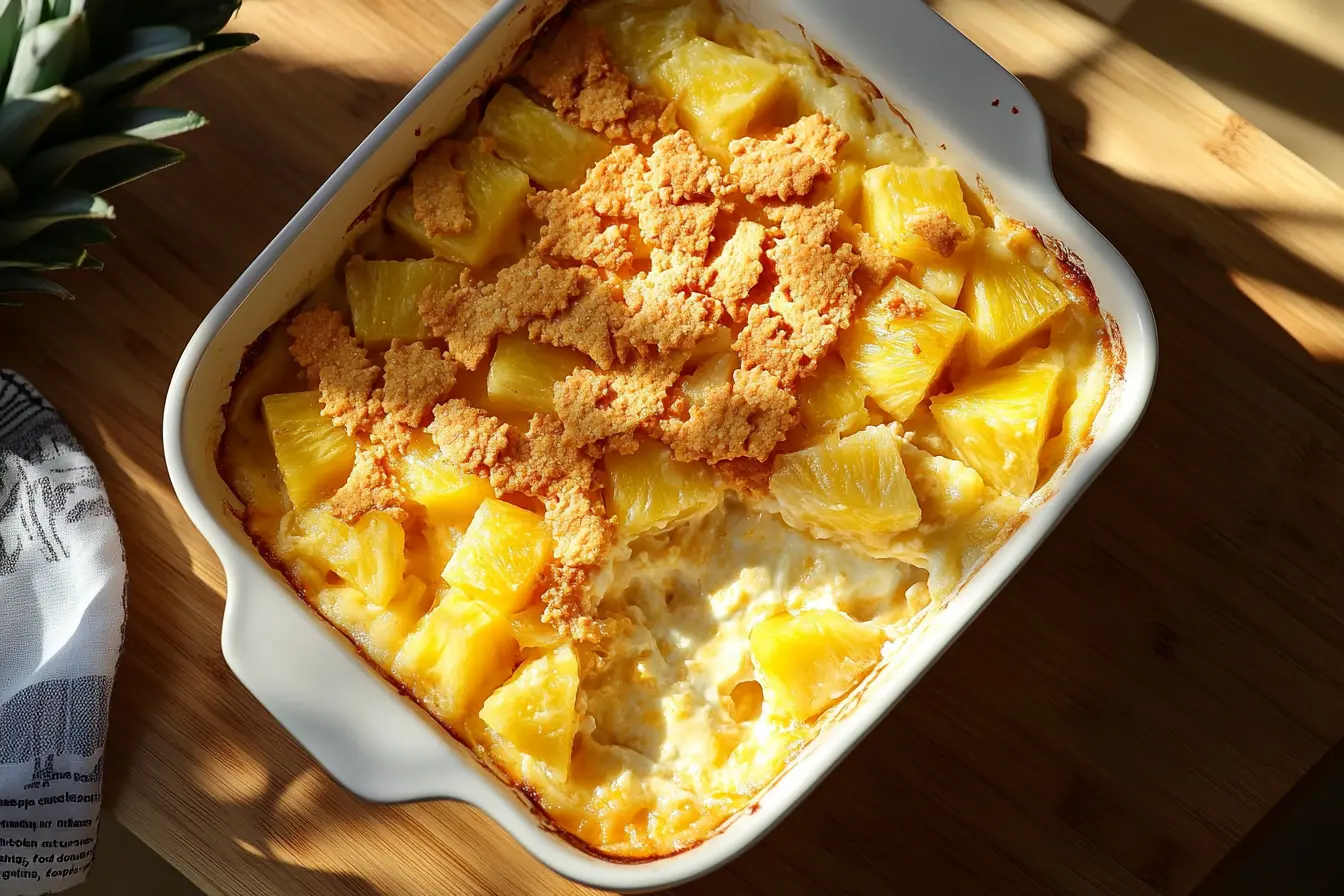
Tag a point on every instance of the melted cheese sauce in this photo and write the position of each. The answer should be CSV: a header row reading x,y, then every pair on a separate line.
x,y
676,733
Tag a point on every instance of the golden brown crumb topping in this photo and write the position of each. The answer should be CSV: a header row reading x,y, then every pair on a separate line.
x,y
573,231
588,323
738,268
576,73
338,365
615,183
786,165
939,231
609,407
748,418
371,486
471,315
415,378
437,198
665,309
468,436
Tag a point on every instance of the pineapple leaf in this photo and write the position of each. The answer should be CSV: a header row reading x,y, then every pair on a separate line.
x,y
11,21
150,122
114,167
22,224
205,18
45,54
150,48
9,191
20,281
47,253
81,233
25,120
216,45
49,167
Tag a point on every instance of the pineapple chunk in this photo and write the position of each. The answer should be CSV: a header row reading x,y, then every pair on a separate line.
x,y
998,420
496,197
1006,298
718,91
370,555
709,373
553,152
523,374
449,496
831,402
385,296
947,489
459,653
501,556
896,197
650,489
844,188
641,34
380,631
1082,387
315,455
530,631
900,344
812,659
855,486
534,710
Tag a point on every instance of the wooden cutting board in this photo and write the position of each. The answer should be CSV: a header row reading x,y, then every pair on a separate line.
x,y
1165,668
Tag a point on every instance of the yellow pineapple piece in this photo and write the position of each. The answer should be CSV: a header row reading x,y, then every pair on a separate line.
x,y
900,201
710,372
718,342
856,485
501,556
844,187
455,658
370,555
384,296
496,198
380,631
1082,386
900,344
530,631
448,496
553,152
650,489
832,402
998,420
315,455
719,91
1007,299
947,489
641,34
523,374
812,659
534,710
923,432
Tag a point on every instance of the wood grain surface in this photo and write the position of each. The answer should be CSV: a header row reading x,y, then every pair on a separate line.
x,y
1164,669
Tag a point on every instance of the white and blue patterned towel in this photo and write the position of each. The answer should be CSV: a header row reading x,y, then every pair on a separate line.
x,y
62,620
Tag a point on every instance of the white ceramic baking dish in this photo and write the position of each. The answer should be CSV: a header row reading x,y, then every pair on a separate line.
x,y
377,742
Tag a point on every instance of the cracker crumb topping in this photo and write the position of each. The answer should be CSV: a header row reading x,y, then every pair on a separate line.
x,y
735,273
371,486
437,198
576,73
786,165
609,407
939,231
665,309
747,418
338,365
469,316
574,231
589,323
468,436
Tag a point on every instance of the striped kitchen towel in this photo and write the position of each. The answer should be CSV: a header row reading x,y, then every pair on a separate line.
x,y
62,620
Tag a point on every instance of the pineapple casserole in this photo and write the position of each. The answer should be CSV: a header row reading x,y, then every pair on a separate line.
x,y
670,394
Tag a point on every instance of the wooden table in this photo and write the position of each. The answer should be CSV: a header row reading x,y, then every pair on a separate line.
x,y
1162,672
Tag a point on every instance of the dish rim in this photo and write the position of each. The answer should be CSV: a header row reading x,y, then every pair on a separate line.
x,y
246,571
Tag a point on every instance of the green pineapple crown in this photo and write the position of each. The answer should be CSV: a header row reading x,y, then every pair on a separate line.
x,y
70,128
